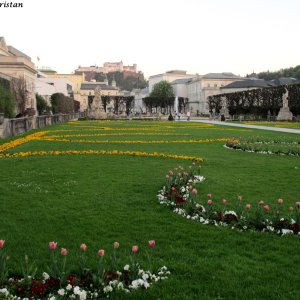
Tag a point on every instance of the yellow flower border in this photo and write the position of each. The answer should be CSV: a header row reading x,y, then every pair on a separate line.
x,y
102,152
132,141
21,141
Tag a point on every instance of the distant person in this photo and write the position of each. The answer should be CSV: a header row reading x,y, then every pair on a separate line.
x,y
188,114
170,118
179,115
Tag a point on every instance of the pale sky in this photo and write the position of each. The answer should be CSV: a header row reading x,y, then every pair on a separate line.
x,y
199,36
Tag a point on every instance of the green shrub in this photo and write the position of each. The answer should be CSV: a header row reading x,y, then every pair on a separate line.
x,y
7,102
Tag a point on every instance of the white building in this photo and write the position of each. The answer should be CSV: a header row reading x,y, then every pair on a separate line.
x,y
169,76
203,86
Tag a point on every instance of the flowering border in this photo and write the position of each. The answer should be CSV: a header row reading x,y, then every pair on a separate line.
x,y
180,194
88,283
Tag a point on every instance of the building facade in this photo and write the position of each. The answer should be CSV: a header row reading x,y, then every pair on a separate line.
x,y
203,86
17,65
169,76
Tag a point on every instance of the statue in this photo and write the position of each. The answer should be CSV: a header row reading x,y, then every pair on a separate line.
x,y
97,109
285,98
285,113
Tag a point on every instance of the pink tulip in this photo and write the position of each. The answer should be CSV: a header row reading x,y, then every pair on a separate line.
x,y
190,187
2,242
190,167
298,204
179,175
239,198
101,252
116,245
185,174
83,247
135,249
63,252
151,243
266,208
224,201
248,206
173,188
167,177
171,172
280,201
194,192
261,202
209,195
193,163
175,169
209,202
52,245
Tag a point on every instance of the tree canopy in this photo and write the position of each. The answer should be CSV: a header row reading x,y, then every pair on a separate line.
x,y
162,89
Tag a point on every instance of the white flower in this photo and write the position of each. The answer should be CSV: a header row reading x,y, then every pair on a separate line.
x,y
52,298
145,276
120,286
231,212
146,285
76,290
61,292
46,276
82,295
107,289
4,291
126,267
287,231
68,287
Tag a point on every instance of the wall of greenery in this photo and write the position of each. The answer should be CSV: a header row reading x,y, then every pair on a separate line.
x,y
258,101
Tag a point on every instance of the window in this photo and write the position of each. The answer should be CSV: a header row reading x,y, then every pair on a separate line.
x,y
215,85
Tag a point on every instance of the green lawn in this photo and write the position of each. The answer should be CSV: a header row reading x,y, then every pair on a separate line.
x,y
99,199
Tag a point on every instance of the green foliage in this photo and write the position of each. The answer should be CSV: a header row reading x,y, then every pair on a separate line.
x,y
288,72
123,81
41,104
258,101
7,100
162,90
61,104
127,100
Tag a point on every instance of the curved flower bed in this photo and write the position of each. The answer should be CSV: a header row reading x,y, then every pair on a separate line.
x,y
180,195
57,283
280,146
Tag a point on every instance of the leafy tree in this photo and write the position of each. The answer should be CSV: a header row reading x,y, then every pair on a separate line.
x,y
162,89
41,104
7,101
61,104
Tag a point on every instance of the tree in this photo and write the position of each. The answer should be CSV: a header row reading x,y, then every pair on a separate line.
x,y
62,104
162,89
7,101
20,91
41,104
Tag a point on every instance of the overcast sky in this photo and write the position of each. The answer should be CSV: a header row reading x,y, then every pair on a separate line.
x,y
199,36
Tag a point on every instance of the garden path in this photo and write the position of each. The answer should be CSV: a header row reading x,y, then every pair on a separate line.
x,y
279,129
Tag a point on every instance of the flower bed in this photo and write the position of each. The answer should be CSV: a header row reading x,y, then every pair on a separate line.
x,y
108,279
279,145
181,196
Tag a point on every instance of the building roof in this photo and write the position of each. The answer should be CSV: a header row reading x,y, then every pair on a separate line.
x,y
284,81
92,86
224,75
17,52
250,83
181,81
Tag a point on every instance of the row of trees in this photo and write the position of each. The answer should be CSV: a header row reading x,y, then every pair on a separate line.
x,y
162,98
257,102
288,72
118,101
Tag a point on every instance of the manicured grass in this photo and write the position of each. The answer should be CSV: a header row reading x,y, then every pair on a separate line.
x,y
99,199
